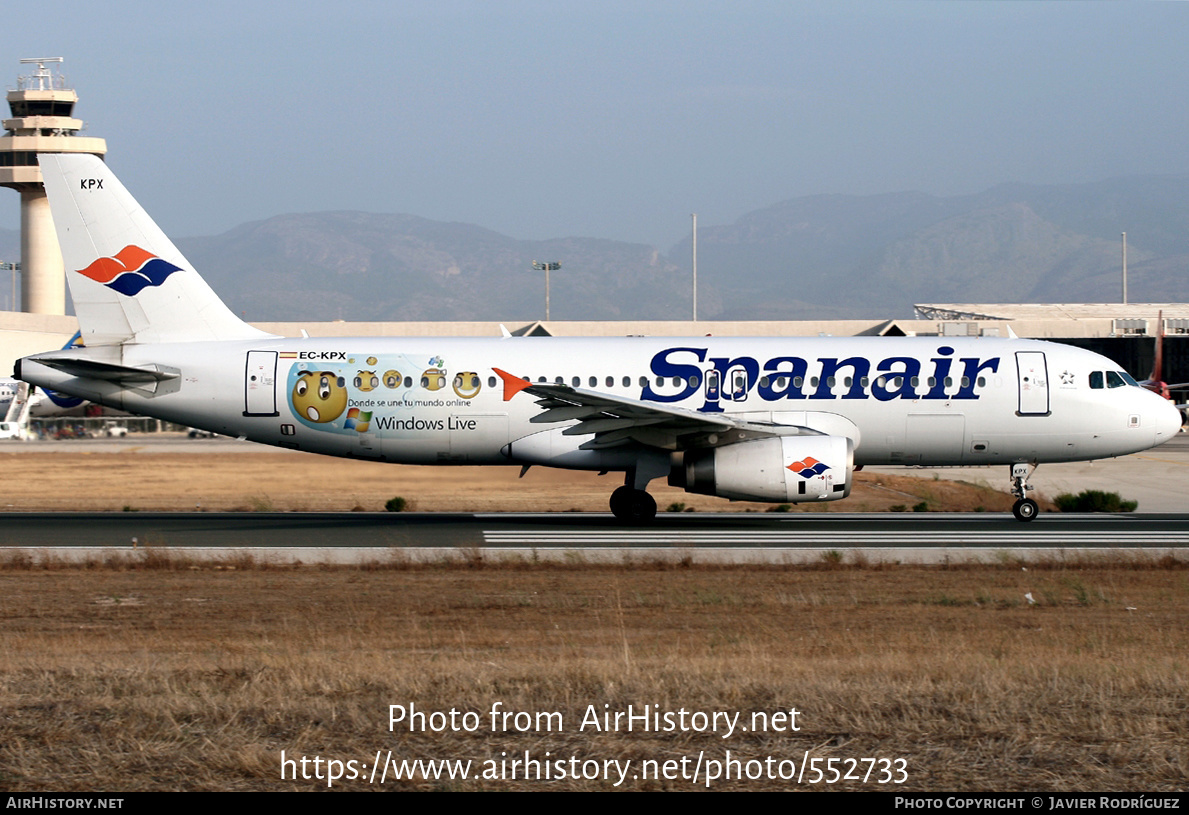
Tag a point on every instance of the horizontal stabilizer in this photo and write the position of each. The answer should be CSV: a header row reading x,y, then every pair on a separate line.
x,y
106,371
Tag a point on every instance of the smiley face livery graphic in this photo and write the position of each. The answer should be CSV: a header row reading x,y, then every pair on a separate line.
x,y
330,393
319,396
467,384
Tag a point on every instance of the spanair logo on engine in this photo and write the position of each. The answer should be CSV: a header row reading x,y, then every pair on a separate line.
x,y
808,467
130,270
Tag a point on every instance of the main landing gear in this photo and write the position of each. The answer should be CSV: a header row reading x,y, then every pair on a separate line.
x,y
1025,509
633,506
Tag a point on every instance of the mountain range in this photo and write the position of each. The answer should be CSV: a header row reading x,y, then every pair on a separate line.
x,y
813,257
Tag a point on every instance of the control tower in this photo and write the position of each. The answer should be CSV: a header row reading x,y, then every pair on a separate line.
x,y
41,122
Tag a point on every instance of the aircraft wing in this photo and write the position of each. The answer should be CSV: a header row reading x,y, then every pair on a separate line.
x,y
615,420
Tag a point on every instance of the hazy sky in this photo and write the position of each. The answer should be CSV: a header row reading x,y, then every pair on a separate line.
x,y
605,118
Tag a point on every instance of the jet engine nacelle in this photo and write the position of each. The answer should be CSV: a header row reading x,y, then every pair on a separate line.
x,y
784,469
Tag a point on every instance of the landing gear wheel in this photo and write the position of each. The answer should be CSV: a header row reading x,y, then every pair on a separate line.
x,y
620,500
1025,509
633,506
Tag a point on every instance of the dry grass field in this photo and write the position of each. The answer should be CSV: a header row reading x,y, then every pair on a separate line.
x,y
175,676
165,674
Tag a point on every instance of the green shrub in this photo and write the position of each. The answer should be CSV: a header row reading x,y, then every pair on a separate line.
x,y
396,504
1094,501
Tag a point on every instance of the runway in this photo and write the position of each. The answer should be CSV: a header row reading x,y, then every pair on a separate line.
x,y
769,537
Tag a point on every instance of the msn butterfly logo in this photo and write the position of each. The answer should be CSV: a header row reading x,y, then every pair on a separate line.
x,y
130,270
808,467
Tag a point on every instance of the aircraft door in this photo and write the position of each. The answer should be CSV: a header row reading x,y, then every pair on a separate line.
x,y
1033,381
260,384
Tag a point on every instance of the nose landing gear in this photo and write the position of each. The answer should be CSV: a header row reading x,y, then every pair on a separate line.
x,y
1025,509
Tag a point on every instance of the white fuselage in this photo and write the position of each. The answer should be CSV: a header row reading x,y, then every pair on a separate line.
x,y
933,401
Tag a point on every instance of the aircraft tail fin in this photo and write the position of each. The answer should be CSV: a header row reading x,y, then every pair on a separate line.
x,y
129,283
1157,374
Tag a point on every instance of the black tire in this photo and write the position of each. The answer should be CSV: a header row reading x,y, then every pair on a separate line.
x,y
1025,510
621,501
633,506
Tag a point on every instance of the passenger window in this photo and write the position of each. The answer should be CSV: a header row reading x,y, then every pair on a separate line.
x,y
491,381
763,381
694,382
627,381
594,381
575,381
643,382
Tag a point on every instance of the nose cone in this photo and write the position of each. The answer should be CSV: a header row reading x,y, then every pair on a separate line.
x,y
1167,420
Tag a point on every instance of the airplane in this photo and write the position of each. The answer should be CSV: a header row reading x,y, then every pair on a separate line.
x,y
781,420
42,403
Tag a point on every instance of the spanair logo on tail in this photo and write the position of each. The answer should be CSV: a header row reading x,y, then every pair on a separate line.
x,y
130,270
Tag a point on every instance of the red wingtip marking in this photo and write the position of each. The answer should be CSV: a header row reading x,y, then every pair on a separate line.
x,y
512,384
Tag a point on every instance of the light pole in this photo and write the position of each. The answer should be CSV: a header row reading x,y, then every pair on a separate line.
x,y
1124,268
546,268
694,215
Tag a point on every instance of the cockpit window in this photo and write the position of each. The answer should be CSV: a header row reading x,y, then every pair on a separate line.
x,y
1111,379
